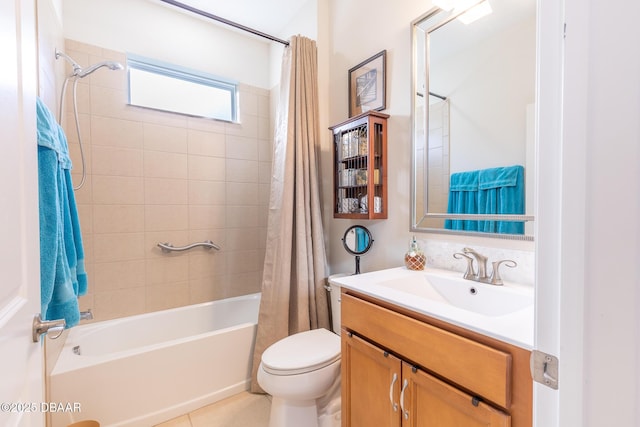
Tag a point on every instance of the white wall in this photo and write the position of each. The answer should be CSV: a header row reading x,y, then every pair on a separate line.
x,y
612,214
50,71
358,30
304,23
169,35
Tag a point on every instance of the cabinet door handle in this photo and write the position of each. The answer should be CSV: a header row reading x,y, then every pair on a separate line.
x,y
405,413
393,404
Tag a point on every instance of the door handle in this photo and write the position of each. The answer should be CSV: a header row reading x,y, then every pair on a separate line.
x,y
53,327
405,413
393,404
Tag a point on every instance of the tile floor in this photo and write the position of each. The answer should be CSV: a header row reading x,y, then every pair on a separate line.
x,y
242,410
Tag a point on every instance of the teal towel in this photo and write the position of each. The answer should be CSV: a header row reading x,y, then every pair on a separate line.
x,y
62,274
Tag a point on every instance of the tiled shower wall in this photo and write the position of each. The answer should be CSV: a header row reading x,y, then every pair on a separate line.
x,y
160,177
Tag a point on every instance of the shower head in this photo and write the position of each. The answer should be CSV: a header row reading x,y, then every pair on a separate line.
x,y
80,72
83,72
69,59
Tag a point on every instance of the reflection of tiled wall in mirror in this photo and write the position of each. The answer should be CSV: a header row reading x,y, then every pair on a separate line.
x,y
438,173
419,140
529,167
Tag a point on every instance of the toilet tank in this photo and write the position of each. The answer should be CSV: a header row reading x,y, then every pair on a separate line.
x,y
334,293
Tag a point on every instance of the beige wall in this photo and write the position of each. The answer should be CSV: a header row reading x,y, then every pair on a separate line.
x,y
160,177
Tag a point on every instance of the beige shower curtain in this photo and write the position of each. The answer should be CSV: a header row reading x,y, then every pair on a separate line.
x,y
293,294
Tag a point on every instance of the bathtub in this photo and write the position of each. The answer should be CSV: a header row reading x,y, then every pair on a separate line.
x,y
145,369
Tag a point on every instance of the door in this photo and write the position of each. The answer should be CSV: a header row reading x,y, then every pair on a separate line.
x,y
428,402
558,233
370,385
21,384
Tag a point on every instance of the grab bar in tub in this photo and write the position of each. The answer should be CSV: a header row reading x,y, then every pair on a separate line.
x,y
168,247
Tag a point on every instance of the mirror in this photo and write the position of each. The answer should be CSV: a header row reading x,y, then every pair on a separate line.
x,y
473,118
357,241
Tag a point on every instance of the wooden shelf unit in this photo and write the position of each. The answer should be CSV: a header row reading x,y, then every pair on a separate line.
x,y
360,167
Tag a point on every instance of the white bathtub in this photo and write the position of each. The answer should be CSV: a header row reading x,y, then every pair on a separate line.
x,y
145,369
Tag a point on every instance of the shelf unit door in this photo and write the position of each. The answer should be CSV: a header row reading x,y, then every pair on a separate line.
x,y
370,385
430,402
378,167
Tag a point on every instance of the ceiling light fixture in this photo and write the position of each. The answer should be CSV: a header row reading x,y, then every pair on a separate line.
x,y
472,13
475,13
445,5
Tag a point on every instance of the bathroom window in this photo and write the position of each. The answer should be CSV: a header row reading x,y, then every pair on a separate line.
x,y
167,87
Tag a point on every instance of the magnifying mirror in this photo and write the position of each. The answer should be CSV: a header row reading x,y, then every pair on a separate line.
x,y
357,240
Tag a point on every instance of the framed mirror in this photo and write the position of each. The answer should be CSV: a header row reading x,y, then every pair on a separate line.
x,y
357,241
473,111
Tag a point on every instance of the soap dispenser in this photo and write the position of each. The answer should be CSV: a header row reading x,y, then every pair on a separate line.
x,y
415,259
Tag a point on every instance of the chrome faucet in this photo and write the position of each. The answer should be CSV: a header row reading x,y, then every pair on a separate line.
x,y
495,278
470,272
86,315
481,276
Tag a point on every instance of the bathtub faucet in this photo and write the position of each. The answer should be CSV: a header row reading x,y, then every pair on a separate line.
x,y
86,315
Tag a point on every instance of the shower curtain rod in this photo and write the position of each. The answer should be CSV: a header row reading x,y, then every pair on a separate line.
x,y
444,98
224,21
421,95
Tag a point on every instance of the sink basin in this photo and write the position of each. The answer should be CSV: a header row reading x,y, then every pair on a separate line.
x,y
505,313
481,298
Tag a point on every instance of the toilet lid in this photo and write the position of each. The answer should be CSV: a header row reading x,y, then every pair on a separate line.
x,y
302,352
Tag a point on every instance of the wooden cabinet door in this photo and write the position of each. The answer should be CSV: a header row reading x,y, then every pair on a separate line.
x,y
430,402
370,385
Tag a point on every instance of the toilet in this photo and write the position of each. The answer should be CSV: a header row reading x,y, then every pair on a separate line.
x,y
302,374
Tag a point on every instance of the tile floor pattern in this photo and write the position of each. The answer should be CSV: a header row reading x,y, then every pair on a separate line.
x,y
242,410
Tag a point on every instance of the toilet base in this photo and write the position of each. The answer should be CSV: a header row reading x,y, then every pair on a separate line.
x,y
330,406
322,412
293,413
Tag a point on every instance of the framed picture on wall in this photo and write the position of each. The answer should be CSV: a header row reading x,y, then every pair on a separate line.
x,y
367,85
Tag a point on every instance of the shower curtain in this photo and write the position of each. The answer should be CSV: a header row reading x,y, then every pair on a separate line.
x,y
293,294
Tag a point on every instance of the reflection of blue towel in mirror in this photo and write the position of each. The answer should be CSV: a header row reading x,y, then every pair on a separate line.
x,y
501,191
362,240
463,199
487,191
62,274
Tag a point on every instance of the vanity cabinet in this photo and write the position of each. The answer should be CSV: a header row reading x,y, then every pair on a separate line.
x,y
381,389
400,368
360,167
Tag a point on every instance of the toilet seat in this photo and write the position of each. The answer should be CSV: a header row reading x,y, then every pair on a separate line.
x,y
302,352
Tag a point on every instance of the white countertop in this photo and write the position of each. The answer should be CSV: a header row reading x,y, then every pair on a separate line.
x,y
515,327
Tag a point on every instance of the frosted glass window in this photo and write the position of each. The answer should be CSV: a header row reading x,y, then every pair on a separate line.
x,y
176,89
